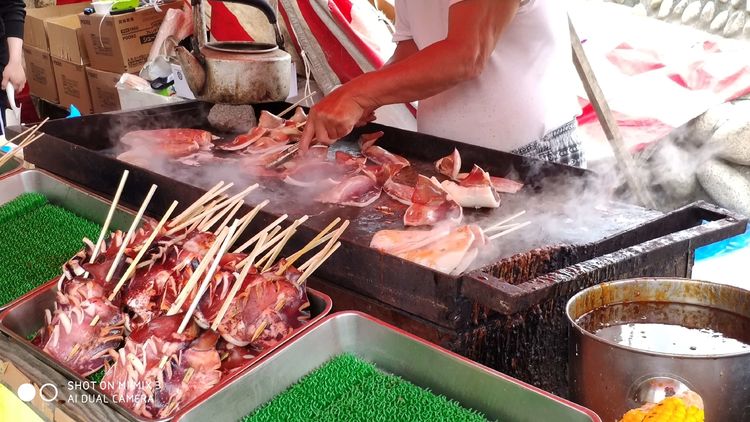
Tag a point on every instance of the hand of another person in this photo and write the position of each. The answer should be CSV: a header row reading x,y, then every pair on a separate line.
x,y
14,74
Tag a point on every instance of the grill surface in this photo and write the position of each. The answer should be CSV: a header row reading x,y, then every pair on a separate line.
x,y
507,312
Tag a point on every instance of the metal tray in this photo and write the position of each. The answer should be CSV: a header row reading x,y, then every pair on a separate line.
x,y
13,166
64,194
392,350
25,316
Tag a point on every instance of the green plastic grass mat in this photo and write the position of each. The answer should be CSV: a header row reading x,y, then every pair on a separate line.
x,y
97,376
36,238
347,388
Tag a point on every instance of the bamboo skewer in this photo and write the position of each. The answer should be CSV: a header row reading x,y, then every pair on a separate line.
x,y
220,211
258,331
227,205
228,233
333,239
142,251
27,132
12,153
207,213
290,152
272,244
247,219
242,194
510,230
130,233
320,254
317,240
266,229
277,250
182,297
24,133
203,215
308,272
198,213
108,220
231,215
238,282
293,106
29,137
269,241
500,224
196,218
197,204
280,240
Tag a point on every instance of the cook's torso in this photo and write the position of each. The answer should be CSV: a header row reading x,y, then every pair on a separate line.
x,y
526,89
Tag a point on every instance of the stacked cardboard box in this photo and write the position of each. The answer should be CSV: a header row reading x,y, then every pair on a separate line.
x,y
39,71
73,58
69,60
121,43
118,44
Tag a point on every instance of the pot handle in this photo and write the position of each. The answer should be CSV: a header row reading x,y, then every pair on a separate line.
x,y
267,10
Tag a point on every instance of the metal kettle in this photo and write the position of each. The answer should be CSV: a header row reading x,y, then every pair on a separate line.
x,y
236,72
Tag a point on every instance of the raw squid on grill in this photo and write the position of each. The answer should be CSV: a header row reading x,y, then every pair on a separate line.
x,y
355,191
431,205
450,165
169,143
444,249
474,190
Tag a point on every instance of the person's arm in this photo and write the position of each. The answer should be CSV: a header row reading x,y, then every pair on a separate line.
x,y
13,71
13,16
475,26
404,50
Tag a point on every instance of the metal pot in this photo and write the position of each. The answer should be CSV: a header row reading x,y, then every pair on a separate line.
x,y
611,378
236,72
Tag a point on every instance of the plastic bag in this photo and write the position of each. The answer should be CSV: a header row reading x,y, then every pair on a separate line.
x,y
178,23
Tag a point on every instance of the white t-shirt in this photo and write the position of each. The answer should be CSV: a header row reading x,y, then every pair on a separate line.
x,y
526,89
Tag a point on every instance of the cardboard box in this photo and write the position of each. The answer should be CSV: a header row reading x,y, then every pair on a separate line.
x,y
66,39
72,85
103,88
124,41
40,74
35,26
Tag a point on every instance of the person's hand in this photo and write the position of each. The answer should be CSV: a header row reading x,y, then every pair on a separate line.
x,y
14,74
334,117
366,118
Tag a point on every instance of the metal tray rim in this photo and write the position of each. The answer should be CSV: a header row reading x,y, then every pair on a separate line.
x,y
18,168
66,371
348,314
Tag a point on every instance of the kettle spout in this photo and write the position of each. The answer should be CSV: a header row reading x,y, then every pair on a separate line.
x,y
195,73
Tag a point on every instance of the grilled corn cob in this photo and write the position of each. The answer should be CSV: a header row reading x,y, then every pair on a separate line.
x,y
684,408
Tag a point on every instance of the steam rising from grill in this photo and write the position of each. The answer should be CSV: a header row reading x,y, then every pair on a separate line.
x,y
563,210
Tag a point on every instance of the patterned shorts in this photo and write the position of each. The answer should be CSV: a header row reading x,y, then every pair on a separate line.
x,y
560,146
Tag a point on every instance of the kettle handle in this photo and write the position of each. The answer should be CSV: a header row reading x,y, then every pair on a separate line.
x,y
267,10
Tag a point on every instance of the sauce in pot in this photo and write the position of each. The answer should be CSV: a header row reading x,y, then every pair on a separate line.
x,y
673,328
